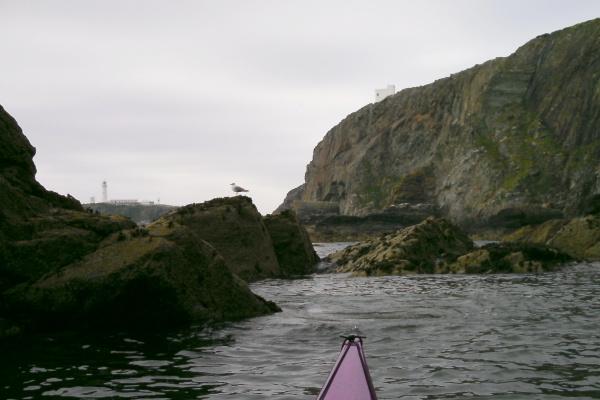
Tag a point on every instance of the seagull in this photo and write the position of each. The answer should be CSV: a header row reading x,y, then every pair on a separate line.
x,y
238,189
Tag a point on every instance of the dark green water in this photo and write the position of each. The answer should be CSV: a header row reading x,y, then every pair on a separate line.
x,y
428,337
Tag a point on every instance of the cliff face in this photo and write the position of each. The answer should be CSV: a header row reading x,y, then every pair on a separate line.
x,y
509,142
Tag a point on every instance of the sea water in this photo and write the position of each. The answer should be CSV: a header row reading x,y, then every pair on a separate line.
x,y
528,336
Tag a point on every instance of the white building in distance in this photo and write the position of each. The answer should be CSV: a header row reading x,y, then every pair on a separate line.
x,y
104,192
381,94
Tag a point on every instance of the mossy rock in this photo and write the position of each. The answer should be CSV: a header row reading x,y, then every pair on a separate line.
x,y
49,242
417,249
542,233
509,258
291,243
470,263
156,277
235,228
578,237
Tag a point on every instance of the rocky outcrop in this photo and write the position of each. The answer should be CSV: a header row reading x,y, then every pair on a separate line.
x,y
55,239
152,276
39,229
63,266
236,229
437,246
291,243
21,195
579,237
503,144
421,248
508,258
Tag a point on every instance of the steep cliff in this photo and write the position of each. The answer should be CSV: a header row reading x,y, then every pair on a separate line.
x,y
503,144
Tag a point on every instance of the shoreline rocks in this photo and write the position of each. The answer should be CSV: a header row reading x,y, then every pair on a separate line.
x,y
416,249
234,227
64,267
154,276
508,258
437,246
291,243
578,237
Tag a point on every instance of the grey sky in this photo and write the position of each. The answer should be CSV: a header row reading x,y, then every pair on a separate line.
x,y
177,99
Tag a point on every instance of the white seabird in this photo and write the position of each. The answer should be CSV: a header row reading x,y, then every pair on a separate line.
x,y
237,188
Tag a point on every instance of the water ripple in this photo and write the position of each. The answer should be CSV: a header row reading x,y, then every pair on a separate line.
x,y
428,337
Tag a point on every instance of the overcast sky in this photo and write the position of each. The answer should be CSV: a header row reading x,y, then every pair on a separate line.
x,y
174,100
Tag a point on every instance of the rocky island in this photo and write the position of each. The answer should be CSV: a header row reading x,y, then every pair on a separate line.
x,y
511,142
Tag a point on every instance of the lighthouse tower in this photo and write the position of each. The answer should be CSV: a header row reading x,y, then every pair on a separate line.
x,y
104,192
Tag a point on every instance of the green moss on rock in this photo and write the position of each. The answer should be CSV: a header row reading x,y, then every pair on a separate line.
x,y
416,249
578,237
509,258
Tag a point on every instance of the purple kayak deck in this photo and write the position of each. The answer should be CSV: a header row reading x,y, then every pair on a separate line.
x,y
350,378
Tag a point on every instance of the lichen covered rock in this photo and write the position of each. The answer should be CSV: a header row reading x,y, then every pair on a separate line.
x,y
417,249
293,248
437,246
55,239
234,227
578,237
508,258
62,266
153,276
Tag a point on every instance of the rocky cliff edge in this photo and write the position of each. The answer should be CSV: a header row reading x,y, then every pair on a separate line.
x,y
504,144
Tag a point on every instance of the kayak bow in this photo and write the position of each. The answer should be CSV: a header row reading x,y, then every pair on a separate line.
x,y
350,378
